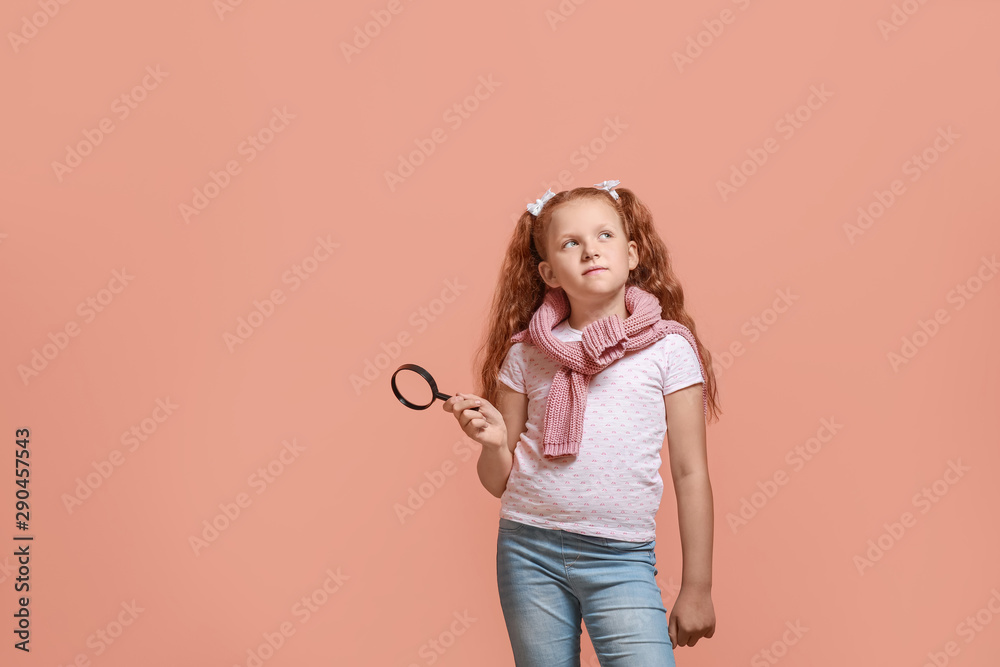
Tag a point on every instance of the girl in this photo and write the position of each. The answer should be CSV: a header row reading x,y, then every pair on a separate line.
x,y
587,331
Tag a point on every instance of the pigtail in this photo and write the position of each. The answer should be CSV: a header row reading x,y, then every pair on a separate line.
x,y
655,275
519,292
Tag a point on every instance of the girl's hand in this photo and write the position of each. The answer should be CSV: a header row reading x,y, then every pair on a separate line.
x,y
692,617
486,425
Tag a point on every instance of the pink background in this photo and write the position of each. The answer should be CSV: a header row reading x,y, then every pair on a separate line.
x,y
402,584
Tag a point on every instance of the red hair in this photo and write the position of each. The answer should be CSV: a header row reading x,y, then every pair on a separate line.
x,y
520,289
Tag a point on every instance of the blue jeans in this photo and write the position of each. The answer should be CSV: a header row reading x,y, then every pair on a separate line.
x,y
549,580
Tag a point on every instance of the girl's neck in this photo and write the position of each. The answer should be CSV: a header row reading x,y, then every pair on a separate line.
x,y
581,315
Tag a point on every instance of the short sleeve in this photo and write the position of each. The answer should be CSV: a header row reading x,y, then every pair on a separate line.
x,y
511,371
681,364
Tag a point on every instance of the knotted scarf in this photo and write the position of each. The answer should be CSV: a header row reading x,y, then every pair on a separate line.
x,y
604,341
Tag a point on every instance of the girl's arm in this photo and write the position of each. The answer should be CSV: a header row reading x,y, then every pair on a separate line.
x,y
693,616
497,428
495,463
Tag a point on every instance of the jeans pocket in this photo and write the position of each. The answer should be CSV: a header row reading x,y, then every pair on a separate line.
x,y
623,545
508,526
592,539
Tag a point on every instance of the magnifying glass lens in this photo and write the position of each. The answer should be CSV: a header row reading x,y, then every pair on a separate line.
x,y
413,387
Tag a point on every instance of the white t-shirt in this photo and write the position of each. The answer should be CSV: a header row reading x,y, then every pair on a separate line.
x,y
612,487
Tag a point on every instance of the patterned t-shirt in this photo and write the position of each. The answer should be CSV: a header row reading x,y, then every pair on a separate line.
x,y
612,488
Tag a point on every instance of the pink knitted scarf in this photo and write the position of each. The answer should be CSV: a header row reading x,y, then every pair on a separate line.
x,y
604,341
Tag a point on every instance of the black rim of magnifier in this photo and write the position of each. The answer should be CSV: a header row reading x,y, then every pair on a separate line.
x,y
435,394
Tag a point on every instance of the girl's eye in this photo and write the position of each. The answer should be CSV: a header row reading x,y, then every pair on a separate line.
x,y
568,242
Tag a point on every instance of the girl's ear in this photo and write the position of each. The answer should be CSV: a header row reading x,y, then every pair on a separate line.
x,y
545,271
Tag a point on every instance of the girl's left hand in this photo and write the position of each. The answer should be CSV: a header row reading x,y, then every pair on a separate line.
x,y
692,617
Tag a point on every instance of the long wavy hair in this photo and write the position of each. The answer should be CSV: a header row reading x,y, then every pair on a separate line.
x,y
520,289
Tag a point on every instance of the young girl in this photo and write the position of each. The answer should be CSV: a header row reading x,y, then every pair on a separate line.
x,y
587,331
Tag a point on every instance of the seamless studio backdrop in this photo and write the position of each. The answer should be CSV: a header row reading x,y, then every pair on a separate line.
x,y
224,224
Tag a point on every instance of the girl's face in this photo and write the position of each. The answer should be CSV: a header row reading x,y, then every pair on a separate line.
x,y
583,234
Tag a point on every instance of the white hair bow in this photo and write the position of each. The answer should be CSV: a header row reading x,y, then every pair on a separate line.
x,y
536,207
609,186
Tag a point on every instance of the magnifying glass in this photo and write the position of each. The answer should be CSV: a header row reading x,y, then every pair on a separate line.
x,y
418,389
